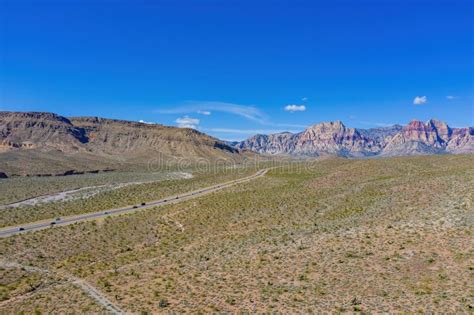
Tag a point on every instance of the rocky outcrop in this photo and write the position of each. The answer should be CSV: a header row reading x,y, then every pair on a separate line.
x,y
32,143
53,139
381,134
329,138
119,136
278,143
461,140
426,133
334,138
45,130
432,137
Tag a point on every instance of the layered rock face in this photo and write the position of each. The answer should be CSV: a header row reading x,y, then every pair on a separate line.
x,y
101,138
461,140
47,132
432,137
278,143
34,130
119,136
333,138
329,138
382,134
426,133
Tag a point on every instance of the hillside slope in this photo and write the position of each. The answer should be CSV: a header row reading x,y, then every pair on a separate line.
x,y
41,143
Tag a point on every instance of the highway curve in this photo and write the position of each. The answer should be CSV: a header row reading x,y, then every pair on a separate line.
x,y
43,224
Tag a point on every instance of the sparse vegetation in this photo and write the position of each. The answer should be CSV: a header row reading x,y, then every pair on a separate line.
x,y
337,235
155,186
20,188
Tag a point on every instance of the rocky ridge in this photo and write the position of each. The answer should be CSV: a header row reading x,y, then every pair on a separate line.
x,y
334,138
48,131
47,143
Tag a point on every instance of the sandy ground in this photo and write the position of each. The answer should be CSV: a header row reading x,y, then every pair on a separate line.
x,y
87,192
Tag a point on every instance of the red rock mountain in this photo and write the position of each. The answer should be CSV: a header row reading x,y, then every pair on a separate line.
x,y
334,138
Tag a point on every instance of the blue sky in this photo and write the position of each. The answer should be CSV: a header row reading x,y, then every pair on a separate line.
x,y
230,68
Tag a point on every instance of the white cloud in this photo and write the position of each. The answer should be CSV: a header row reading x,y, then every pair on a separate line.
x,y
420,100
187,122
295,108
146,122
304,99
451,97
247,131
204,112
248,112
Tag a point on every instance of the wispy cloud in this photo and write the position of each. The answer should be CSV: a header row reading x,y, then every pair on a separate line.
x,y
248,112
451,97
204,112
246,131
420,100
295,108
304,99
187,122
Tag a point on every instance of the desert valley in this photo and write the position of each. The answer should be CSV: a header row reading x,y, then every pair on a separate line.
x,y
286,241
236,157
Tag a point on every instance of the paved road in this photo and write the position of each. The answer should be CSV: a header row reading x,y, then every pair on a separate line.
x,y
35,226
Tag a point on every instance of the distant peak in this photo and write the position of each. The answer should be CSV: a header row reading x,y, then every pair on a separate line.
x,y
328,124
415,124
437,123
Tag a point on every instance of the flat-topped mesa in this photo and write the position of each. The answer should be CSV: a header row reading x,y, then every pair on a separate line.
x,y
112,135
39,130
51,136
93,120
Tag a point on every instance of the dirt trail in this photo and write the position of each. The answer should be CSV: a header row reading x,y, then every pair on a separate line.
x,y
82,284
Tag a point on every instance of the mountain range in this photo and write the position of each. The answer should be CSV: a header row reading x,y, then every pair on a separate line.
x,y
39,143
46,143
334,138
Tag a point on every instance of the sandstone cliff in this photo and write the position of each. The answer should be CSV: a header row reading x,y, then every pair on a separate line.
x,y
334,138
